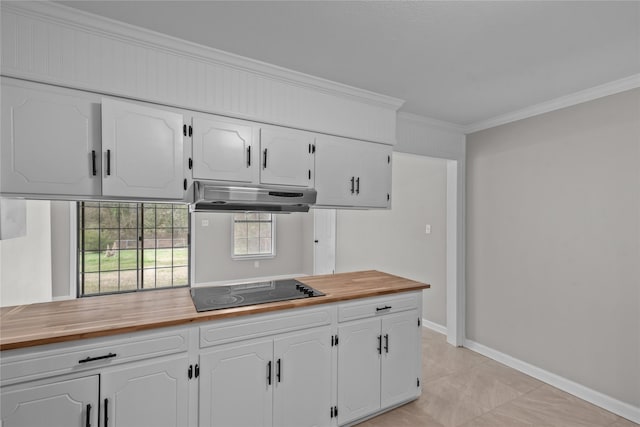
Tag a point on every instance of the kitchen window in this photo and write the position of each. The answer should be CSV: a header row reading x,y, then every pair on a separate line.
x,y
253,235
124,247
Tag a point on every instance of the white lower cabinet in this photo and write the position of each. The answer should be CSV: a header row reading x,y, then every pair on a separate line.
x,y
147,393
283,381
378,362
150,393
67,403
283,369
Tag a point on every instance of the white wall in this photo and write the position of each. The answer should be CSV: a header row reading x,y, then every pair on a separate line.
x,y
25,262
553,243
394,241
212,249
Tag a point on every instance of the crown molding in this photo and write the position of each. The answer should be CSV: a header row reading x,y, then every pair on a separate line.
x,y
430,122
611,88
91,23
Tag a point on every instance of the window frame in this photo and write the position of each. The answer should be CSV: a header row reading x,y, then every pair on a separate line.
x,y
76,244
240,257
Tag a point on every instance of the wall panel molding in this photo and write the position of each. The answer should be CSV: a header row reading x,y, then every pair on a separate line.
x,y
51,43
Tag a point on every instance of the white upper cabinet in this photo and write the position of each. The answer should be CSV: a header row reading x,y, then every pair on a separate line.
x,y
352,173
143,151
286,157
224,149
50,140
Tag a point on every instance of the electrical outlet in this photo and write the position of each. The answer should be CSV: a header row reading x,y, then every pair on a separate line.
x,y
205,222
427,229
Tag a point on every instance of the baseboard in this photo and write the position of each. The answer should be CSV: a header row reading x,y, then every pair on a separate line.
x,y
434,326
618,407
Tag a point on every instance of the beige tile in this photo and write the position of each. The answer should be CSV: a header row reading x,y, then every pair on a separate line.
x,y
621,422
404,416
491,419
469,393
547,405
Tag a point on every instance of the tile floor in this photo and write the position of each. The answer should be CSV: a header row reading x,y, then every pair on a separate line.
x,y
464,388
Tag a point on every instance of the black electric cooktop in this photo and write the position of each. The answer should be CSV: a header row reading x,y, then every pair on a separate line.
x,y
218,297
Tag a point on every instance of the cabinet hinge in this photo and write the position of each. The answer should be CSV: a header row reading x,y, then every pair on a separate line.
x,y
190,372
418,382
418,321
197,371
388,159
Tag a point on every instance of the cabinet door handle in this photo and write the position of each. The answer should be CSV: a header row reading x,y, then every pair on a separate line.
x,y
386,343
249,156
278,369
106,413
269,373
108,162
353,180
93,359
358,185
379,344
264,159
386,307
93,163
87,422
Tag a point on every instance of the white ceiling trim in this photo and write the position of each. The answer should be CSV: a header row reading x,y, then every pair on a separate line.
x,y
431,122
611,88
116,29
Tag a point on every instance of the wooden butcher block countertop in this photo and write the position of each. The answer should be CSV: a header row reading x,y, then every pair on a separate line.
x,y
58,321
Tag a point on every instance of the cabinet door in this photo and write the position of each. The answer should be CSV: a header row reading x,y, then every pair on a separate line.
x,y
61,404
147,394
302,393
400,357
50,141
286,157
236,385
352,173
358,369
224,150
142,150
373,181
335,168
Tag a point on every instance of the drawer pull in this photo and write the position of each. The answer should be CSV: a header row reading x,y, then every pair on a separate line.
x,y
88,416
386,307
93,359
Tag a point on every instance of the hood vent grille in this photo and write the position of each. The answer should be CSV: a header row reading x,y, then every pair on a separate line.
x,y
212,197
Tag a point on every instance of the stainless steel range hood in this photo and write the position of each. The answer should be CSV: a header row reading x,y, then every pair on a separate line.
x,y
212,197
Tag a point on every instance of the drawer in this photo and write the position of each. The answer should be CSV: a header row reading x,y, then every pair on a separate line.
x,y
247,327
50,360
378,306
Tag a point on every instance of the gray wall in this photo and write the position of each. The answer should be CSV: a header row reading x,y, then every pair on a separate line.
x,y
394,241
212,249
553,242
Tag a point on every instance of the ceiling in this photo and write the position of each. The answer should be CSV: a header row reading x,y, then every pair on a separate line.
x,y
460,62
